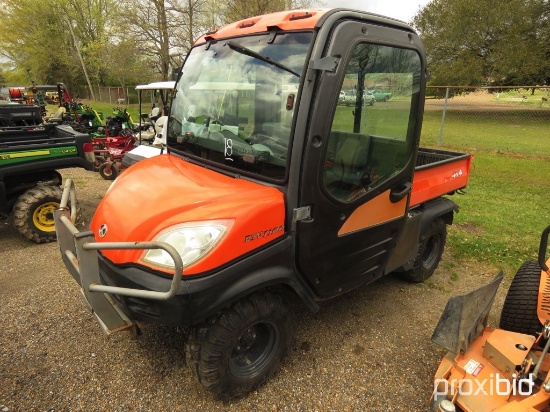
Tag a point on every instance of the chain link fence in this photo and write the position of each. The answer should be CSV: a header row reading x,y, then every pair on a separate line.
x,y
112,95
514,106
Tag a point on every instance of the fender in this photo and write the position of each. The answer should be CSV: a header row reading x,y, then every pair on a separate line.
x,y
418,221
440,207
211,293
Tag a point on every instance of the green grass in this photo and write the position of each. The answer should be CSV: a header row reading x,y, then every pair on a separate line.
x,y
513,132
107,109
523,97
506,205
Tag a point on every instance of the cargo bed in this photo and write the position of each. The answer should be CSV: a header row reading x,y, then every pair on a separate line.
x,y
45,147
438,173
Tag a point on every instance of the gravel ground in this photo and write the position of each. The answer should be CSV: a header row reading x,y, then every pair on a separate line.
x,y
369,350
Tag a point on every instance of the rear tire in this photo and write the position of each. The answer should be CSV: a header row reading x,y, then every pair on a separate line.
x,y
242,346
430,249
109,175
519,312
33,213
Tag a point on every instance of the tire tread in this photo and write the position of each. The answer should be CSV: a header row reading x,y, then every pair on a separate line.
x,y
519,312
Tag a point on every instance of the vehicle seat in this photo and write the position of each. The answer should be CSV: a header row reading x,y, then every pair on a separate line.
x,y
344,174
57,117
350,162
155,114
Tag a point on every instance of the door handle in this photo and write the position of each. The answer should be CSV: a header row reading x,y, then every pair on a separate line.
x,y
404,189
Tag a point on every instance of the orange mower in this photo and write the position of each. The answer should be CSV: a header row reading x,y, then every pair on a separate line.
x,y
505,369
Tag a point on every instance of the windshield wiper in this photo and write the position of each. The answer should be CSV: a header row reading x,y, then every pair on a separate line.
x,y
243,50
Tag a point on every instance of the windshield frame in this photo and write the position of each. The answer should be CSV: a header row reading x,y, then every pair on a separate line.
x,y
270,69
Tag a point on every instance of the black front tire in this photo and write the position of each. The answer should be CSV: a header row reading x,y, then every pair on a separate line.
x,y
430,249
242,346
33,213
519,312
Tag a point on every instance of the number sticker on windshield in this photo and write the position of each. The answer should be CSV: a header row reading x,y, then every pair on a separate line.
x,y
228,151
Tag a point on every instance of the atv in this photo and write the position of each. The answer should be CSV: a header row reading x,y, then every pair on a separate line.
x,y
30,155
505,369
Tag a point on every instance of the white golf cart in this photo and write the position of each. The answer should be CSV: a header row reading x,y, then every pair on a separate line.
x,y
151,135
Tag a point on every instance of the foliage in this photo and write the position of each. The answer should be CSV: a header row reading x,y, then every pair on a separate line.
x,y
240,9
472,42
28,44
108,42
505,207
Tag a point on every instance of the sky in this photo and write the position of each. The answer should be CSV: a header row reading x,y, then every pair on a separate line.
x,y
398,9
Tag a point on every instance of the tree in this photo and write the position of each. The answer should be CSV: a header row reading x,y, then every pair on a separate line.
x,y
195,17
473,42
32,39
59,40
111,42
155,27
242,9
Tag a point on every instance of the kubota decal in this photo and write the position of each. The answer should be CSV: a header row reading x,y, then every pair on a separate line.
x,y
102,230
265,233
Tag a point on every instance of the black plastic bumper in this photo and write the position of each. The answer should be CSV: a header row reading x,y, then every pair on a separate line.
x,y
202,296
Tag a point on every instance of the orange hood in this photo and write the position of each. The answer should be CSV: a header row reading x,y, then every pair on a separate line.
x,y
158,193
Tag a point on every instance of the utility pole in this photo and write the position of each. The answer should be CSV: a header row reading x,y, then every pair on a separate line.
x,y
77,47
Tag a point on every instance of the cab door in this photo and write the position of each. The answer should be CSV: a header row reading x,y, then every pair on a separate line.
x,y
359,158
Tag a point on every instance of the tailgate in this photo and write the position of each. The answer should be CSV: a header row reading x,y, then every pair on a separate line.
x,y
438,173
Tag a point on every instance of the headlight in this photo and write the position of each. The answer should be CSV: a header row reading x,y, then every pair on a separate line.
x,y
192,241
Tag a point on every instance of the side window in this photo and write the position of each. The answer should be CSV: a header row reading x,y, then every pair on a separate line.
x,y
372,132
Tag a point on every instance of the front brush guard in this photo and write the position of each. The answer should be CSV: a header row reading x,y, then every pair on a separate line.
x,y
79,253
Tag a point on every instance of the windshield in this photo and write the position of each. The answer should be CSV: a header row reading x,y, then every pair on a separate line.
x,y
235,102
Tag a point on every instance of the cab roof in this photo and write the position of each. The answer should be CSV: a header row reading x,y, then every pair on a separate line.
x,y
301,19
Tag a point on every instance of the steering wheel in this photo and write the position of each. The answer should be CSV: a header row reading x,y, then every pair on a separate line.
x,y
204,119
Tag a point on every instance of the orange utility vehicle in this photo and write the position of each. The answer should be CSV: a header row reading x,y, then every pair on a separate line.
x,y
271,188
505,369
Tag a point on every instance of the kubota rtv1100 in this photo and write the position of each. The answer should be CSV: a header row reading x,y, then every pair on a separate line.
x,y
270,188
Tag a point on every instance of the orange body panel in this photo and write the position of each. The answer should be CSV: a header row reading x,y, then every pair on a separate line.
x,y
436,181
284,20
163,191
543,307
378,210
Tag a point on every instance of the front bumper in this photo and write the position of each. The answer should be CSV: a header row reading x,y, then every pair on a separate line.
x,y
80,255
175,311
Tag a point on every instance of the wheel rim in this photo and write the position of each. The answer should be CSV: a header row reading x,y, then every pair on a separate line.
x,y
254,350
431,252
42,217
107,169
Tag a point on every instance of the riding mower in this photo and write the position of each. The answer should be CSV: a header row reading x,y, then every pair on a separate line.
x,y
113,154
115,139
505,369
88,118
